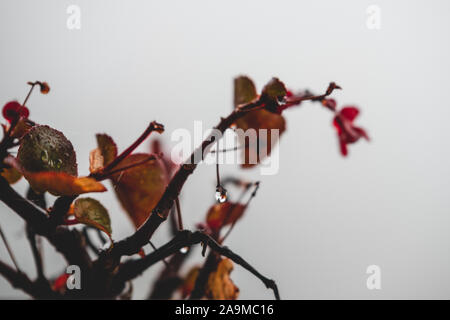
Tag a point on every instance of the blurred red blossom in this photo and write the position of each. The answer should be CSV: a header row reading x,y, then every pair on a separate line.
x,y
346,130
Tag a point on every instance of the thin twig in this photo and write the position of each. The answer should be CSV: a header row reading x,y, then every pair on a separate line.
x,y
132,268
39,200
217,166
29,93
160,212
246,206
180,220
88,240
155,248
19,280
107,174
11,254
153,126
227,150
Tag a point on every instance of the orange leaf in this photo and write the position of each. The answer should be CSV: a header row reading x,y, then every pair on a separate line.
x,y
62,184
140,188
220,286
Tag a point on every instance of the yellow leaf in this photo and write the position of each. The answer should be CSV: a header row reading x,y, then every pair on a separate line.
x,y
220,286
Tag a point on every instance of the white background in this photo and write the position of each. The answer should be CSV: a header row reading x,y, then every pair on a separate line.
x,y
316,225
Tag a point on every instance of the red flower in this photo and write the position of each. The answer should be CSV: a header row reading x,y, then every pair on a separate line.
x,y
13,110
347,132
60,283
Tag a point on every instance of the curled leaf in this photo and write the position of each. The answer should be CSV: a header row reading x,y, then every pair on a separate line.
x,y
96,161
91,212
220,286
108,148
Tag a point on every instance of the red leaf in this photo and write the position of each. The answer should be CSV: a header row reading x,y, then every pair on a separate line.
x,y
223,214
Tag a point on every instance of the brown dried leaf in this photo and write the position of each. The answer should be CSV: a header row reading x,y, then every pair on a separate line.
x,y
96,160
257,120
220,286
223,214
140,188
245,92
107,147
189,282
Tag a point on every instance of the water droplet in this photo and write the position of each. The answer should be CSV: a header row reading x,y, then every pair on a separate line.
x,y
184,250
44,156
221,194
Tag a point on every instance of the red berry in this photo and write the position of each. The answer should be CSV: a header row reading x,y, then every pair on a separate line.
x,y
13,110
24,112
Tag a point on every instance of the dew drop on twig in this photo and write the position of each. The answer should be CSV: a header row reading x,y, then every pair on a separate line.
x,y
221,194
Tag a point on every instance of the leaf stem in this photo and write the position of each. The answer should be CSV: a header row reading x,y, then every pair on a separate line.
x,y
153,126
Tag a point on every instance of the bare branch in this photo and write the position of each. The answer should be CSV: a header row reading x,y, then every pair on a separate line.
x,y
38,290
8,248
131,269
135,242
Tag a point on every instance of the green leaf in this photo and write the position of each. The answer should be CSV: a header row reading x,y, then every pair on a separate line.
x,y
244,90
91,212
274,90
108,148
